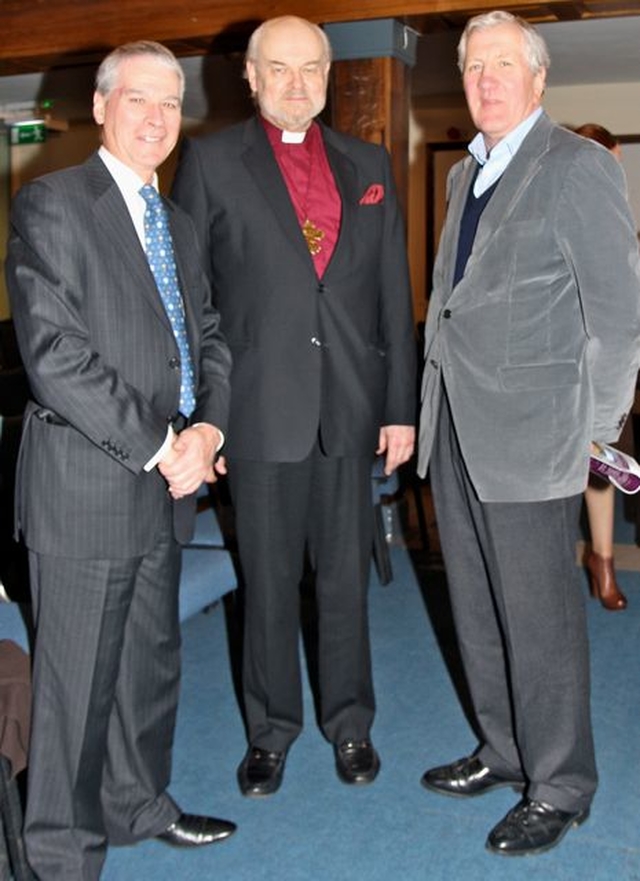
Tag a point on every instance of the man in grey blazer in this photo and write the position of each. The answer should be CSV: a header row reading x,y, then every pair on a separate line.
x,y
304,244
531,353
120,432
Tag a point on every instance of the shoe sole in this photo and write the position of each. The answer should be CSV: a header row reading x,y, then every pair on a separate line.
x,y
356,781
533,851
258,794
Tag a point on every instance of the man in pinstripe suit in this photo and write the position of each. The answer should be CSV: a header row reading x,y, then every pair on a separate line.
x,y
106,476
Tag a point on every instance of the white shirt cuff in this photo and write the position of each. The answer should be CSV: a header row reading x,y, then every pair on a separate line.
x,y
151,464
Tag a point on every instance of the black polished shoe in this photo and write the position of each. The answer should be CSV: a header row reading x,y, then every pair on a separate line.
x,y
466,777
192,830
532,827
260,772
357,761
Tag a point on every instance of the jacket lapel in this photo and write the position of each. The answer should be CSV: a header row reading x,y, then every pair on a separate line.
x,y
346,178
183,247
263,167
457,197
512,187
115,222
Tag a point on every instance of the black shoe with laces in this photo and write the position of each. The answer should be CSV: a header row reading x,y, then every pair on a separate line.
x,y
467,777
532,827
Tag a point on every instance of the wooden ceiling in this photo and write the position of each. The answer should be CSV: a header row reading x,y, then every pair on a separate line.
x,y
44,34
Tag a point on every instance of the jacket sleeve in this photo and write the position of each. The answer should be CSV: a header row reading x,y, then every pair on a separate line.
x,y
597,232
397,322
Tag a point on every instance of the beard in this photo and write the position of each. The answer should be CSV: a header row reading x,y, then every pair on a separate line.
x,y
289,116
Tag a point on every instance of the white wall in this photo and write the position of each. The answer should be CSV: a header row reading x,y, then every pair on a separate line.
x,y
616,106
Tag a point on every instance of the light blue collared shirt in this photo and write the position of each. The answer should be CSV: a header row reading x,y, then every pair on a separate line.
x,y
494,164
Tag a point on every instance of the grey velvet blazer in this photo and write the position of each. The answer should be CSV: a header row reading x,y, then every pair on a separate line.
x,y
538,343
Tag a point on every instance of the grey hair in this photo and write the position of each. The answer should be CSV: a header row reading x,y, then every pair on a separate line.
x,y
536,50
253,47
107,74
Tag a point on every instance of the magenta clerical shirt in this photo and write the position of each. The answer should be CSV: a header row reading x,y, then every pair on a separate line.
x,y
312,188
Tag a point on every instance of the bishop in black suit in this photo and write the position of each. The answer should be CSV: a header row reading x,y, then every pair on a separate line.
x,y
304,245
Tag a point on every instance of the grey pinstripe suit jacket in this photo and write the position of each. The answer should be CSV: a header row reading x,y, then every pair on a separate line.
x,y
102,363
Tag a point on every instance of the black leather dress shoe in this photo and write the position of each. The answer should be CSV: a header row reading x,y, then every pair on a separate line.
x,y
466,777
532,827
357,761
192,830
260,772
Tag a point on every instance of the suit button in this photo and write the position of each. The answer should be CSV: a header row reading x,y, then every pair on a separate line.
x,y
174,363
315,341
446,313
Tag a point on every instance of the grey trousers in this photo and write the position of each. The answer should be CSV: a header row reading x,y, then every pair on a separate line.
x,y
520,620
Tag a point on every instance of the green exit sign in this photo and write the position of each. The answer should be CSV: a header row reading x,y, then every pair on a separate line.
x,y
31,132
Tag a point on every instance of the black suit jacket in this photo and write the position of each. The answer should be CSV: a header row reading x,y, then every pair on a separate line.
x,y
101,360
337,353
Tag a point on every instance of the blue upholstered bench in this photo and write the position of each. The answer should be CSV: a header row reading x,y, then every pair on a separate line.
x,y
12,626
208,572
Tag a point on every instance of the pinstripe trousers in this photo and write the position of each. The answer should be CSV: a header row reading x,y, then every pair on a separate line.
x,y
105,684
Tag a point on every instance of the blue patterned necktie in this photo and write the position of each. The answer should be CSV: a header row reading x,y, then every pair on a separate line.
x,y
159,249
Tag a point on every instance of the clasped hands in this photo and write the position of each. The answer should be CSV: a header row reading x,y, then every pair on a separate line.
x,y
191,460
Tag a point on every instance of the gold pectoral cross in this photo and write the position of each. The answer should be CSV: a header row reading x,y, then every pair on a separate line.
x,y
313,236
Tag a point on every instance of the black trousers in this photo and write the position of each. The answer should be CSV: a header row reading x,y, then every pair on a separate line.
x,y
518,607
322,505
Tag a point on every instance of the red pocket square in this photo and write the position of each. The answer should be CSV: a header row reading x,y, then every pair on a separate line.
x,y
373,196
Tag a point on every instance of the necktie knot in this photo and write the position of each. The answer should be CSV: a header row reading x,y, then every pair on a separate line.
x,y
159,250
151,196
156,225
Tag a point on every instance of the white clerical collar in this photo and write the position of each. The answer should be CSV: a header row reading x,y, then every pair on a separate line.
x,y
293,137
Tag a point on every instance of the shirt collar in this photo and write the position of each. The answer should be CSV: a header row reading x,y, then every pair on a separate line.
x,y
279,137
508,146
494,163
126,178
129,184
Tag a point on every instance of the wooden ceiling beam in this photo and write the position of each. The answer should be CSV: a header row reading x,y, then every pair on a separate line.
x,y
55,33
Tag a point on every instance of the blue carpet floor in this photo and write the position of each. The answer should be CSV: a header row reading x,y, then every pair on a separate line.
x,y
317,829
